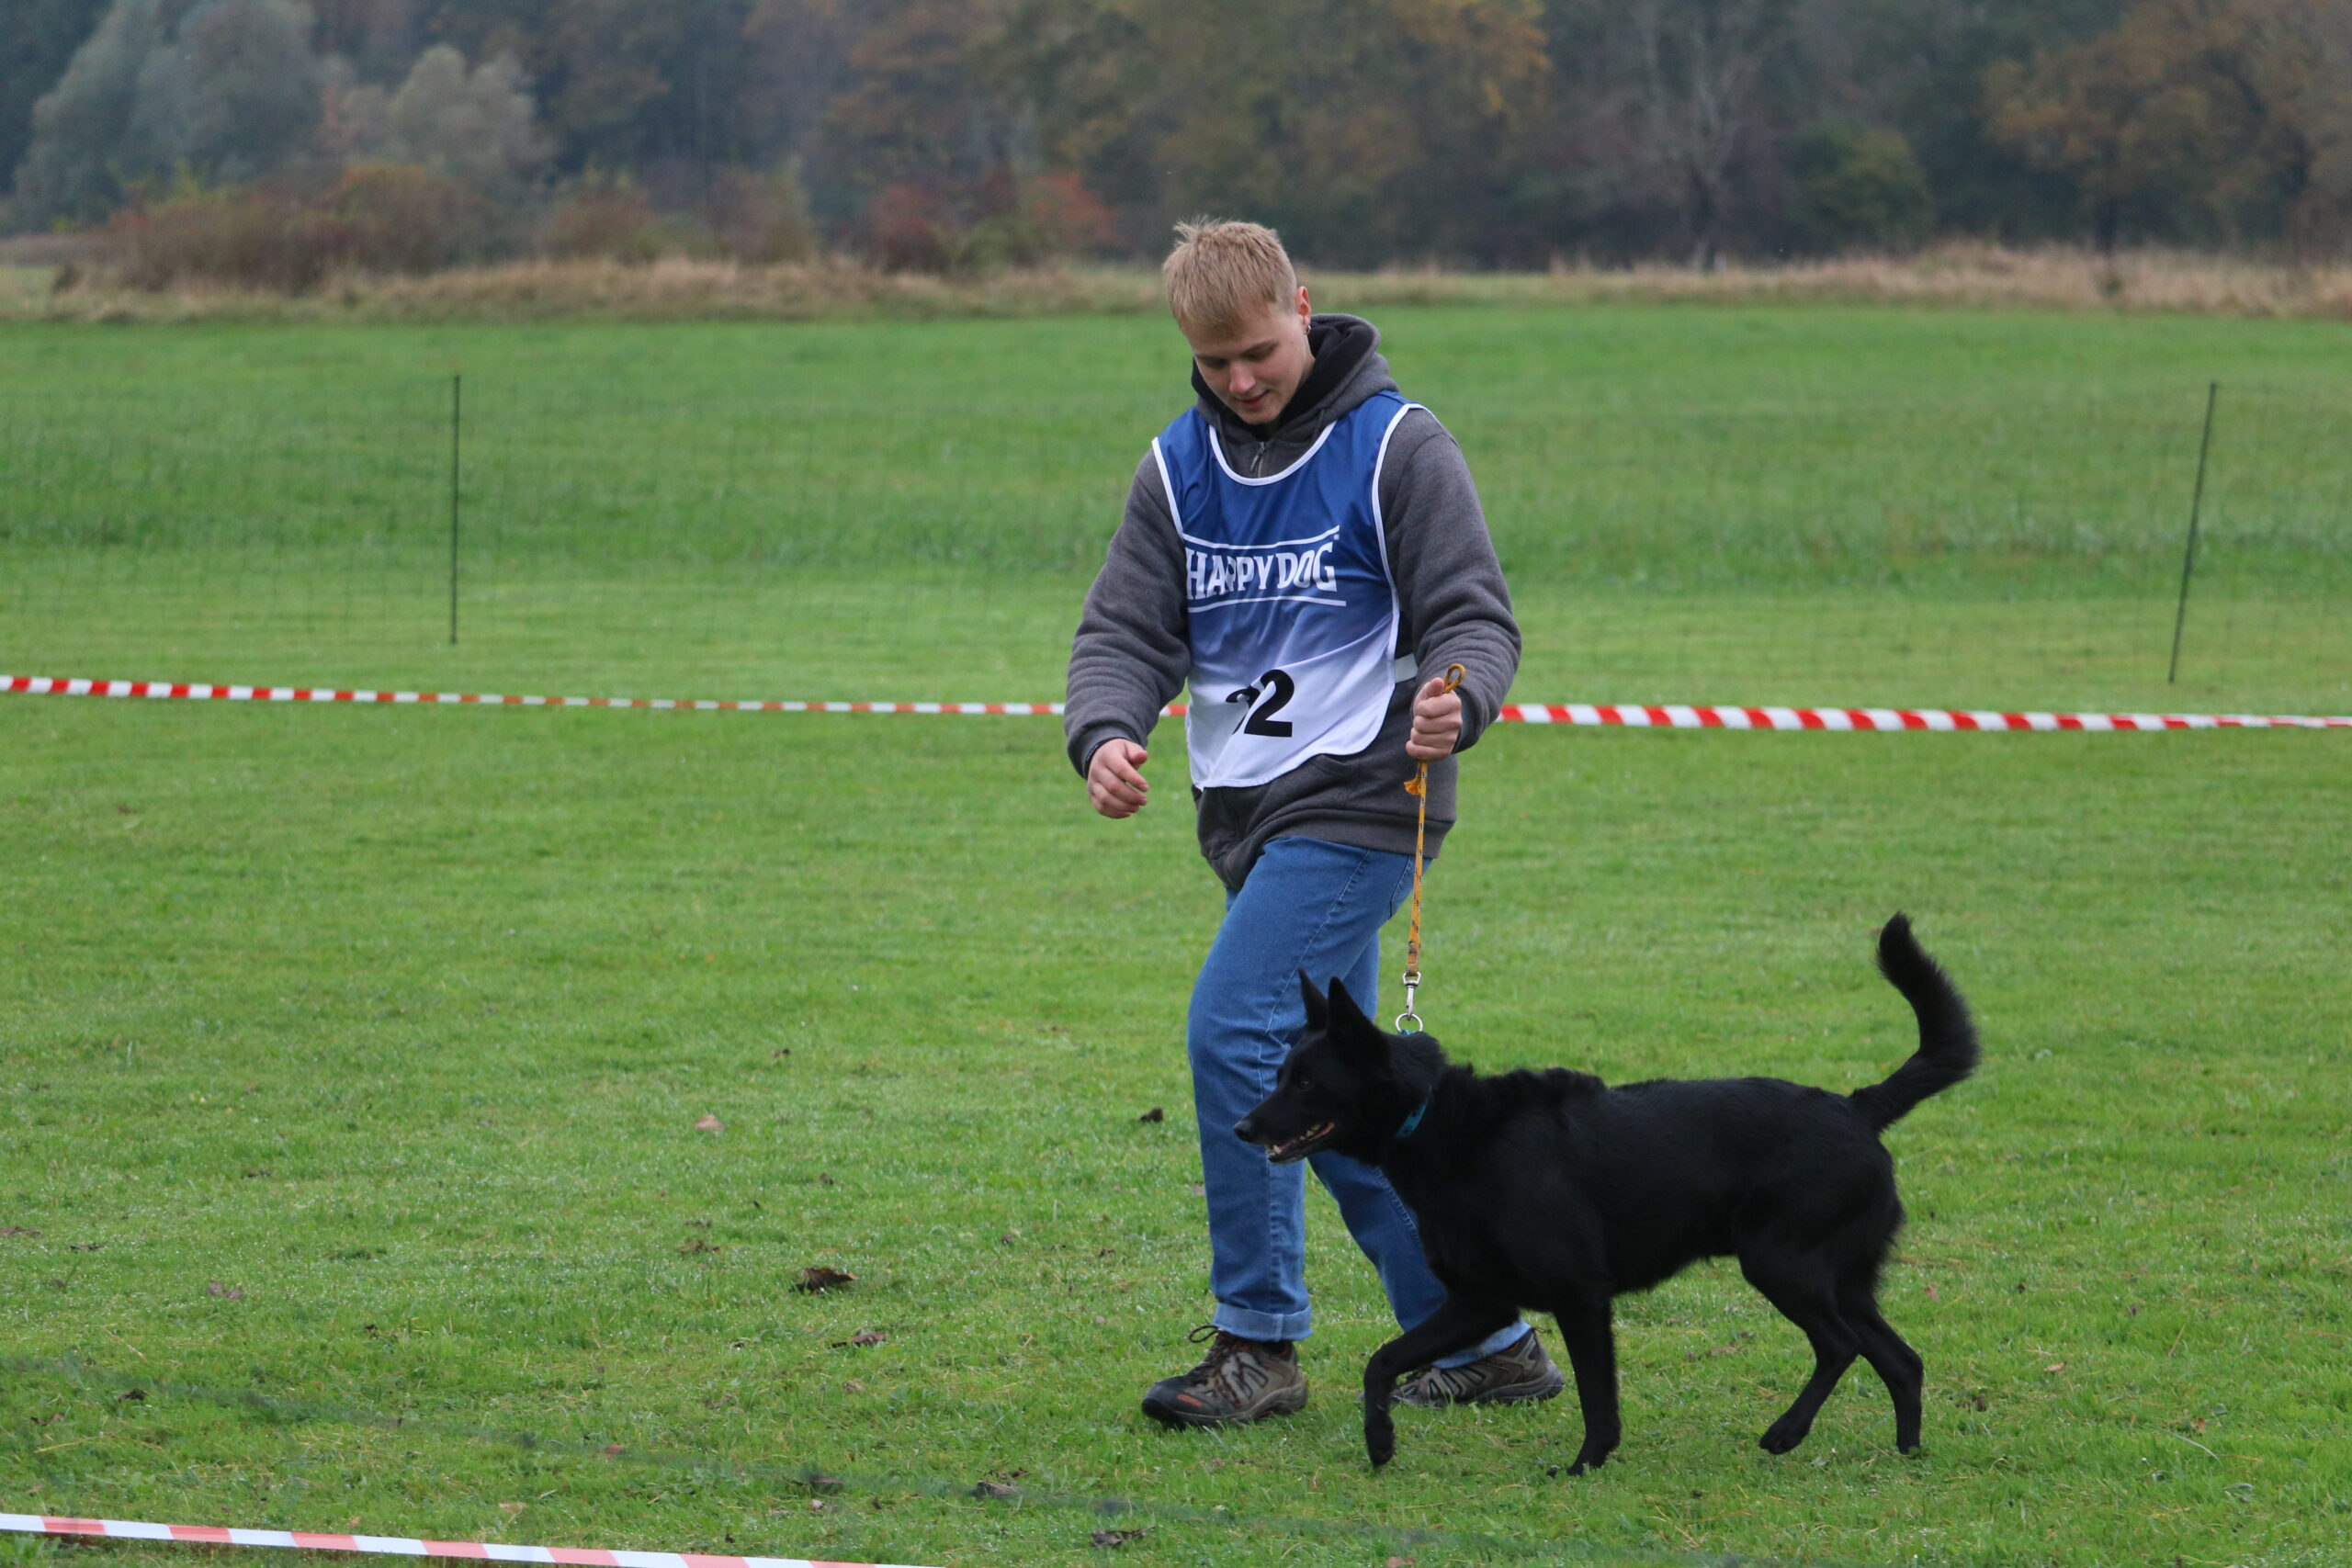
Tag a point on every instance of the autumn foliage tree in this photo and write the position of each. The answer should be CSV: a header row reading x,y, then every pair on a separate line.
x,y
234,97
2220,119
471,124
1367,130
963,133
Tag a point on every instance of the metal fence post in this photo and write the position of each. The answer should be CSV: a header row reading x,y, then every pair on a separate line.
x,y
2188,554
457,418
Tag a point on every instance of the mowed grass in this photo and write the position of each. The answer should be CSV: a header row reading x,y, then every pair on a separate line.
x,y
353,1058
397,1026
1712,505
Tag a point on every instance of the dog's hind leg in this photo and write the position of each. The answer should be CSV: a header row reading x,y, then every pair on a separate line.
x,y
1458,1323
1590,1339
1898,1366
1799,1288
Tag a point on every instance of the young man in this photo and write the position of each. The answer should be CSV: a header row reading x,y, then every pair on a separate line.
x,y
1305,549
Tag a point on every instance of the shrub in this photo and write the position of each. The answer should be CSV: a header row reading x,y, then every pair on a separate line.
x,y
391,218
1059,216
910,228
921,228
399,218
251,238
604,217
762,219
1863,187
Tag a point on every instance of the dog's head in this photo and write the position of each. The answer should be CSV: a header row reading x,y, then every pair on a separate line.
x,y
1342,1086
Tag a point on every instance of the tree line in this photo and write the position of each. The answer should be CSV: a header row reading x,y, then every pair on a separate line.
x,y
948,133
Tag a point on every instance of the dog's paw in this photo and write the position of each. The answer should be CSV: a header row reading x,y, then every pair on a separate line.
x,y
1783,1435
1379,1442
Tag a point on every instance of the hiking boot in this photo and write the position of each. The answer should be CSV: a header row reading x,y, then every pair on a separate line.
x,y
1520,1373
1239,1380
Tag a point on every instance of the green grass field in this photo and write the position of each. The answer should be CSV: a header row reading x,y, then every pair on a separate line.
x,y
1713,505
353,1058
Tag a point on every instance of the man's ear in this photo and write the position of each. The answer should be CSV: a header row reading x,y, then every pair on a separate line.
x,y
1318,1015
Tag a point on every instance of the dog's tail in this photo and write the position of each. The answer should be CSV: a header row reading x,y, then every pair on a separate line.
x,y
1948,1049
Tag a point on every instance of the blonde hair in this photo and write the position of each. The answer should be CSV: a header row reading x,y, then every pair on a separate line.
x,y
1222,273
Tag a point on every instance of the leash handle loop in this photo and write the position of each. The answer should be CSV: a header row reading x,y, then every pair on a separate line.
x,y
1409,1021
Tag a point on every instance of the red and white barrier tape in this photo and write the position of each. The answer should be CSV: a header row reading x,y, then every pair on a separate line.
x,y
1680,715
1656,715
396,1546
44,685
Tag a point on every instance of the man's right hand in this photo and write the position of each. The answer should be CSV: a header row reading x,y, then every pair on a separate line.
x,y
1113,783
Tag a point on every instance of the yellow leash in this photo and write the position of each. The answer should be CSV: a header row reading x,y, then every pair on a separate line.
x,y
1409,1021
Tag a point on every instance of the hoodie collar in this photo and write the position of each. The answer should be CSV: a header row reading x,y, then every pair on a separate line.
x,y
1341,345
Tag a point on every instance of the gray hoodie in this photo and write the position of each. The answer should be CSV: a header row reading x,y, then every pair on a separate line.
x,y
1130,657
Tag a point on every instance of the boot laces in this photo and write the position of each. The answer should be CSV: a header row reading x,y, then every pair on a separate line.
x,y
1448,1383
1228,1367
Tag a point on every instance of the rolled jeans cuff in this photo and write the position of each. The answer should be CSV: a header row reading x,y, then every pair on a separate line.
x,y
1263,1325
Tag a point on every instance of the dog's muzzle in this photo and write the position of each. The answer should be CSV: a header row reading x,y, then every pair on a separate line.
x,y
1292,1150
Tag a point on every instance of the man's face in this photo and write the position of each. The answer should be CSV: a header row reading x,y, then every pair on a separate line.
x,y
1254,368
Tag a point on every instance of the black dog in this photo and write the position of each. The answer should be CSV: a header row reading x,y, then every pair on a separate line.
x,y
1554,1192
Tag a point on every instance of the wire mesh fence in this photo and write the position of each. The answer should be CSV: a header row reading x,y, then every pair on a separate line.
x,y
745,534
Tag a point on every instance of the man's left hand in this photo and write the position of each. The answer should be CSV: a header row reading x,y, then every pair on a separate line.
x,y
1437,723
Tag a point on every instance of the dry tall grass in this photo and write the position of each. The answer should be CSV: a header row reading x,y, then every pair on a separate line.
x,y
671,289
34,287
1989,276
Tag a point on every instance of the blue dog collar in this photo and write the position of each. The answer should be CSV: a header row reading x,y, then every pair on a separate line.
x,y
1405,1130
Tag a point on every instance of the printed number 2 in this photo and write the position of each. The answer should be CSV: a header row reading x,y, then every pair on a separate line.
x,y
1261,721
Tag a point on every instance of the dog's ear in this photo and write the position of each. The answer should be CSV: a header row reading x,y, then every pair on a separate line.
x,y
1318,1015
1347,1021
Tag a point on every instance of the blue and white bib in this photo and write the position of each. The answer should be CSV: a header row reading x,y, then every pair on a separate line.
x,y
1290,609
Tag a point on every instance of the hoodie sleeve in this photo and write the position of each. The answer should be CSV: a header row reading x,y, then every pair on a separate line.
x,y
1456,607
1131,655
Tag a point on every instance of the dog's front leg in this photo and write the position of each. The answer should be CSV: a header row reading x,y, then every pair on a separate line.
x,y
1458,1323
1591,1342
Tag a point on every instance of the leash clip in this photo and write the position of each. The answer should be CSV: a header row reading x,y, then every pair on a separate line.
x,y
1409,1021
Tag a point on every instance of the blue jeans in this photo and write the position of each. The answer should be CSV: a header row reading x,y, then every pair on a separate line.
x,y
1318,907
